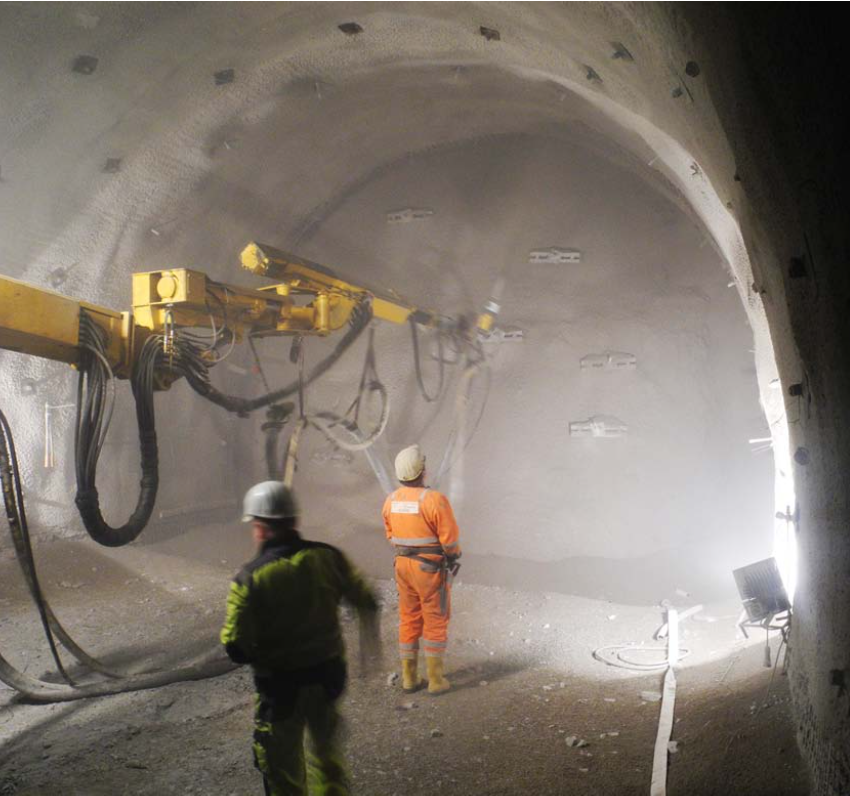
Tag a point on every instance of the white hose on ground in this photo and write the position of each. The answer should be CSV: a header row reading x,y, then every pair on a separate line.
x,y
658,786
615,655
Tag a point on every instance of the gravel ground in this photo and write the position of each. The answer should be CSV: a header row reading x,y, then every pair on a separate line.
x,y
525,684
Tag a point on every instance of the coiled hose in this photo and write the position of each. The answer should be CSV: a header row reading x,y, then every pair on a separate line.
x,y
618,655
370,382
41,691
328,422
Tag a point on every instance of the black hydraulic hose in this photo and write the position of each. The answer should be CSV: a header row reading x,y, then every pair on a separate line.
x,y
13,500
196,373
276,418
19,527
90,434
92,420
41,691
417,360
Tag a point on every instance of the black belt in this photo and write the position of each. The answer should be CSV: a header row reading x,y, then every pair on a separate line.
x,y
406,551
447,566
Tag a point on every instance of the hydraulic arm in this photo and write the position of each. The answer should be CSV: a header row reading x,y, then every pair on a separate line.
x,y
181,320
42,323
307,299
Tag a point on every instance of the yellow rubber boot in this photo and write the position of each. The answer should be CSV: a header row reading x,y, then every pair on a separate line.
x,y
410,680
437,683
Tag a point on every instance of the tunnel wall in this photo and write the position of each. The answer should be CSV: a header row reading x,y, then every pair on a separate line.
x,y
676,503
152,103
775,93
679,499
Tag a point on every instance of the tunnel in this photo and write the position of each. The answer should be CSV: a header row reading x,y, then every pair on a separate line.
x,y
641,208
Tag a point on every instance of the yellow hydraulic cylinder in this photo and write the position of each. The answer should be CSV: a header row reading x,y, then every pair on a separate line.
x,y
187,298
307,276
323,313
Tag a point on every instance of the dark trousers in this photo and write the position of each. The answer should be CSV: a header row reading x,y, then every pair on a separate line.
x,y
290,706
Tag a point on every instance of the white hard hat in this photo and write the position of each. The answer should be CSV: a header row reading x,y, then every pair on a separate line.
x,y
409,464
269,500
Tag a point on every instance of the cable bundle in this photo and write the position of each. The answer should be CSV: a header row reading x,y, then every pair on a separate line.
x,y
13,499
95,404
417,361
191,365
40,690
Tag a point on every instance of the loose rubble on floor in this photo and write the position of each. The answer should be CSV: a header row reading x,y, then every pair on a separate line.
x,y
528,713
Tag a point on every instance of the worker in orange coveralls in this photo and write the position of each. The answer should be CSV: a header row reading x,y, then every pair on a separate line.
x,y
421,526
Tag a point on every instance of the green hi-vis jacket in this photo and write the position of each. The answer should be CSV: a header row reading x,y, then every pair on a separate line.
x,y
282,610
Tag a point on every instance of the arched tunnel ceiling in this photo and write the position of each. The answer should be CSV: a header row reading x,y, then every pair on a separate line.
x,y
107,172
92,162
318,128
153,110
152,100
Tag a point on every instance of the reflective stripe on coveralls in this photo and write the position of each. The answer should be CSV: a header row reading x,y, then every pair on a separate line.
x,y
416,516
409,649
421,525
410,507
416,542
434,649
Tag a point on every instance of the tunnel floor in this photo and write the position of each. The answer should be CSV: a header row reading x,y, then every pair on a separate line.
x,y
524,682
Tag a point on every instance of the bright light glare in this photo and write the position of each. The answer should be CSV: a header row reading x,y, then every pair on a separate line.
x,y
785,530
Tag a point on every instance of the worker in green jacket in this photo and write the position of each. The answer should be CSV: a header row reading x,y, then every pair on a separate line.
x,y
282,618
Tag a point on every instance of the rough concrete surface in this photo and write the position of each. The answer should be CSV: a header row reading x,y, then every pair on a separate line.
x,y
668,142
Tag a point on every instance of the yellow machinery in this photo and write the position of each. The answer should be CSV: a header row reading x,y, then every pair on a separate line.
x,y
159,342
306,299
37,321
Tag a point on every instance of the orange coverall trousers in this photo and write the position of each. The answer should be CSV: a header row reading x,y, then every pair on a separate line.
x,y
416,518
419,609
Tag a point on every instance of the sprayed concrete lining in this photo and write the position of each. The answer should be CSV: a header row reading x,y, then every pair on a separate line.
x,y
148,160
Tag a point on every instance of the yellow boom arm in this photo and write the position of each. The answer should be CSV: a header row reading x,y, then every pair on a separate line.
x,y
43,323
307,299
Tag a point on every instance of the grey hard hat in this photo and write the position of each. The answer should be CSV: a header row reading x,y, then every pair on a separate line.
x,y
269,500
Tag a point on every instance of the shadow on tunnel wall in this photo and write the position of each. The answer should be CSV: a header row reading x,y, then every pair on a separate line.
x,y
631,581
220,538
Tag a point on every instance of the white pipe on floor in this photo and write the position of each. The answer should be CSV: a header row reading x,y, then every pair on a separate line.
x,y
658,786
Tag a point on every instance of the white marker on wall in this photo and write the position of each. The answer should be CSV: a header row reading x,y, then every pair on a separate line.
x,y
497,335
407,214
554,255
598,426
609,360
